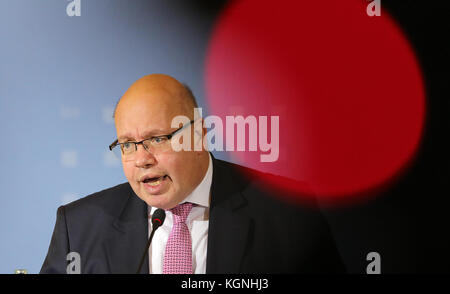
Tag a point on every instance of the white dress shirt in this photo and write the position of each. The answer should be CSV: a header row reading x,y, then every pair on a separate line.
x,y
197,222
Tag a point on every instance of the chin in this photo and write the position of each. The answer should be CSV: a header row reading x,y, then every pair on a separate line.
x,y
159,201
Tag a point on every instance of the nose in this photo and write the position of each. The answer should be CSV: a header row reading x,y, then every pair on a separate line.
x,y
143,157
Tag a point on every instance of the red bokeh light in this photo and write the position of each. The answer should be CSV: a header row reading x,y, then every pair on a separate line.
x,y
347,89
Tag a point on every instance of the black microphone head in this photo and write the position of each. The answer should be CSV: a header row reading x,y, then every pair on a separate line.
x,y
158,217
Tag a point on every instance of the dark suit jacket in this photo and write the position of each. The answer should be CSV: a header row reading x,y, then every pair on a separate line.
x,y
250,231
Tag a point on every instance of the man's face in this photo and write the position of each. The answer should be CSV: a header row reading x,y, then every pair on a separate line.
x,y
161,178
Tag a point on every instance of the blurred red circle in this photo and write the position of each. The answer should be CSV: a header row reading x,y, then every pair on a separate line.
x,y
346,86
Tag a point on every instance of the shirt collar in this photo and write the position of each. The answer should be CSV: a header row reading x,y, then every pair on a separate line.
x,y
200,195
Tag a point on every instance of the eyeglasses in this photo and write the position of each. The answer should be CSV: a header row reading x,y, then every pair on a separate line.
x,y
156,143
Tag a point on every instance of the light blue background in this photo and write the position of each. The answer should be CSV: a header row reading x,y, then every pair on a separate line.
x,y
60,78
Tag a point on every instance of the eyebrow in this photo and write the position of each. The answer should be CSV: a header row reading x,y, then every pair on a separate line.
x,y
154,133
147,134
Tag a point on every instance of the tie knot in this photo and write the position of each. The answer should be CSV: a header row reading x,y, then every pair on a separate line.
x,y
181,212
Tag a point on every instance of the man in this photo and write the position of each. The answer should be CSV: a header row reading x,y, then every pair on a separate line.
x,y
217,220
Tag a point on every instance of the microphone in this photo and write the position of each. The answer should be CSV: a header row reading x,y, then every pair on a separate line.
x,y
158,218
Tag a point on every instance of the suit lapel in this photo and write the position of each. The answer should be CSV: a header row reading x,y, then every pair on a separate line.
x,y
228,228
228,231
126,245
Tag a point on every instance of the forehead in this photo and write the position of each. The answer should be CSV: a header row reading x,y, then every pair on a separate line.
x,y
146,114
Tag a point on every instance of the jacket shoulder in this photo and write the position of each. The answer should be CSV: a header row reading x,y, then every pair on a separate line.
x,y
268,187
108,201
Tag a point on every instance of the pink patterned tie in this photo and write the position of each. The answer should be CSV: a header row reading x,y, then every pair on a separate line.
x,y
178,254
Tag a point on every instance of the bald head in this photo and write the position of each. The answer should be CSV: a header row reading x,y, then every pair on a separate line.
x,y
179,93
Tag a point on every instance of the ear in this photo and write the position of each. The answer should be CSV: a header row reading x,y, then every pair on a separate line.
x,y
197,142
200,136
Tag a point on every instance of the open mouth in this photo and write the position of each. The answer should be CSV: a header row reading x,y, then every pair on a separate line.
x,y
155,181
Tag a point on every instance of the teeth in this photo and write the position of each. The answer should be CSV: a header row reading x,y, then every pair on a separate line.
x,y
155,183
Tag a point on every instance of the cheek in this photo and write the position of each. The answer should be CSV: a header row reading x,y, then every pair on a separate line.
x,y
168,162
128,170
176,165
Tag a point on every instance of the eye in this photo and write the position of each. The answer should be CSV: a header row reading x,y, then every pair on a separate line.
x,y
127,145
159,140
